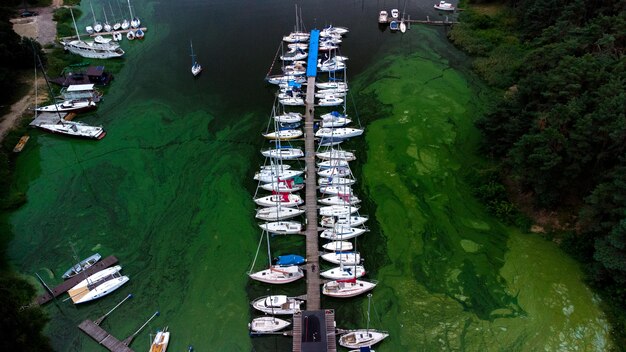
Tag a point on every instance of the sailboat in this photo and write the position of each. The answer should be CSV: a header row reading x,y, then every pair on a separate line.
x,y
98,285
276,274
362,338
62,126
195,66
134,21
116,25
282,227
268,324
161,340
107,26
92,50
277,304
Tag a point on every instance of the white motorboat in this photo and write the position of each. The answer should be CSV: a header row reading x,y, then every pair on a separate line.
x,y
327,46
333,163
332,85
339,133
444,6
282,227
283,153
97,285
82,265
292,101
395,13
345,258
362,338
335,154
294,46
277,213
277,304
337,210
280,185
341,233
277,274
102,40
383,16
338,246
272,176
336,189
282,199
284,134
335,172
354,220
289,117
402,26
267,324
330,93
161,340
340,199
344,272
69,106
196,68
347,288
117,36
91,49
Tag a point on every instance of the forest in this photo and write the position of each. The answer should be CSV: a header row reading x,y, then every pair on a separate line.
x,y
557,127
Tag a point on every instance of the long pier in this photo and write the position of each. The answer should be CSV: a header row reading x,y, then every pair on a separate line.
x,y
71,282
312,246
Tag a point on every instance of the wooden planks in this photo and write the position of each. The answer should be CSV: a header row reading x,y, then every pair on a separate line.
x,y
102,337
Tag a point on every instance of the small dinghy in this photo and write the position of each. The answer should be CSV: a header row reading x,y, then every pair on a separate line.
x,y
82,265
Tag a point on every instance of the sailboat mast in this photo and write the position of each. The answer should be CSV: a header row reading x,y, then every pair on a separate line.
x,y
369,301
74,21
93,13
112,13
49,87
130,10
106,20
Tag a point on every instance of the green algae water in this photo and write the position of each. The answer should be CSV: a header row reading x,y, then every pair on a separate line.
x,y
169,190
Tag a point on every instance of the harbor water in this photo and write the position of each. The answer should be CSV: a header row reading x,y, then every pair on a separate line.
x,y
169,192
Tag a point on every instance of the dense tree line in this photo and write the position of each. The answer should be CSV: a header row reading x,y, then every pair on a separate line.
x,y
559,129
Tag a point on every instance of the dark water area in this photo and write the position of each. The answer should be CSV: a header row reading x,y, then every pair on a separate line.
x,y
169,192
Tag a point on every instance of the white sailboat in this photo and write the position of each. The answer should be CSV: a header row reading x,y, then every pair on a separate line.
x,y
338,246
116,25
336,189
354,220
278,213
344,272
107,26
280,185
91,49
268,324
282,227
338,133
335,172
336,154
195,66
98,285
134,20
337,210
345,258
336,182
363,338
282,199
283,153
284,134
340,199
342,233
277,304
347,288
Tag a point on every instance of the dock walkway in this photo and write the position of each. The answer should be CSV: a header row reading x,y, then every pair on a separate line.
x,y
71,282
102,337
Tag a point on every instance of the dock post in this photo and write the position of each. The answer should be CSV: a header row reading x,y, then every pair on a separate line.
x,y
99,320
130,338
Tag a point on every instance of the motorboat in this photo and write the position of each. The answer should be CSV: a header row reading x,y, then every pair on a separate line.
x,y
280,172
69,106
277,304
340,199
89,30
125,24
335,154
102,40
338,246
284,134
277,213
362,338
292,101
278,79
327,46
282,199
289,117
337,210
267,324
97,285
347,288
293,55
280,185
383,16
344,272
345,258
332,85
354,220
335,172
161,340
289,259
73,129
297,37
330,100
277,274
341,233
81,266
283,153
395,13
336,189
339,133
117,36
282,227
139,33
444,6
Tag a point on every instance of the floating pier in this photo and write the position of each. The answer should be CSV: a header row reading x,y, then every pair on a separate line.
x,y
71,282
102,337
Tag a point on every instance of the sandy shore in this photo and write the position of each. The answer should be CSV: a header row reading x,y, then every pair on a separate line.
x,y
43,29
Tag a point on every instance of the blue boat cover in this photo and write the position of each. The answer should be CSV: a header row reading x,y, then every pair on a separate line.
x,y
314,44
289,259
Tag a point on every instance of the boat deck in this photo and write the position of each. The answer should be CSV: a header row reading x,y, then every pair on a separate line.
x,y
71,282
46,117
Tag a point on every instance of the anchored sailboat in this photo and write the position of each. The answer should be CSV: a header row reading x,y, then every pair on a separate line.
x,y
195,66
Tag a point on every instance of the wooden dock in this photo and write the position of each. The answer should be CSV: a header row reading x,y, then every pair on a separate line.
x,y
102,337
314,331
71,282
20,144
428,21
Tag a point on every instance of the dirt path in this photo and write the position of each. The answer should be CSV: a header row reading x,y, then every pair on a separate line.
x,y
44,30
